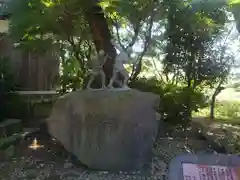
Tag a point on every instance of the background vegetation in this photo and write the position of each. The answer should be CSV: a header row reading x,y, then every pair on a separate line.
x,y
186,46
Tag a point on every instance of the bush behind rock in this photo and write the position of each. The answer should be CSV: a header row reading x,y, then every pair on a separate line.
x,y
173,99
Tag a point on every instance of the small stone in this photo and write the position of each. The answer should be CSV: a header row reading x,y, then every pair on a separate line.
x,y
37,161
2,156
68,165
2,166
50,165
10,151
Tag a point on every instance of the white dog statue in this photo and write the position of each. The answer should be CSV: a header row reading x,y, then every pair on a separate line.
x,y
121,58
97,69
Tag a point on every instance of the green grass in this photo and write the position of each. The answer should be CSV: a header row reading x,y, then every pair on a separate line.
x,y
228,111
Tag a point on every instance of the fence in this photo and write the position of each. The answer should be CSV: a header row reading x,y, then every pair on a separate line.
x,y
33,71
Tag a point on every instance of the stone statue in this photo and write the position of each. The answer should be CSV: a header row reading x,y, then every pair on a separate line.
x,y
97,69
121,58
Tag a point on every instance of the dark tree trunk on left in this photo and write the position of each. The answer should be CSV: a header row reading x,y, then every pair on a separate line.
x,y
101,35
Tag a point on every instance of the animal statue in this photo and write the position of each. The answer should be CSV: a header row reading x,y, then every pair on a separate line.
x,y
97,69
118,67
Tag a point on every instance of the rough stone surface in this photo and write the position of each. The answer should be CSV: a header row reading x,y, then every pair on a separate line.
x,y
106,130
175,166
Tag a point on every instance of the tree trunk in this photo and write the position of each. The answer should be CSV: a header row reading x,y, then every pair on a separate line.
x,y
101,36
188,110
218,89
236,14
212,106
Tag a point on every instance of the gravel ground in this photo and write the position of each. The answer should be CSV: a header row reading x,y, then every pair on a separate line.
x,y
226,136
52,162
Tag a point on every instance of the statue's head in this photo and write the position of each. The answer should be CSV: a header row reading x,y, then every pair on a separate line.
x,y
101,52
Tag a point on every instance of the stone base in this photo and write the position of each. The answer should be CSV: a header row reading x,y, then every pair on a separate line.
x,y
106,130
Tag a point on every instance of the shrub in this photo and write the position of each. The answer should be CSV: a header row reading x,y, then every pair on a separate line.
x,y
228,109
173,99
223,110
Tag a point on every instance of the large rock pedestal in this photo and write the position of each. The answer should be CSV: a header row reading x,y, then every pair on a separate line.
x,y
106,130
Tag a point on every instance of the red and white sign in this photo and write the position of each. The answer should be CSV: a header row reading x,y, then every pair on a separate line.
x,y
207,172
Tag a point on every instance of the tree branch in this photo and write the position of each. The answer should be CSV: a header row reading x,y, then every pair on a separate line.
x,y
148,36
76,52
136,33
136,30
118,35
